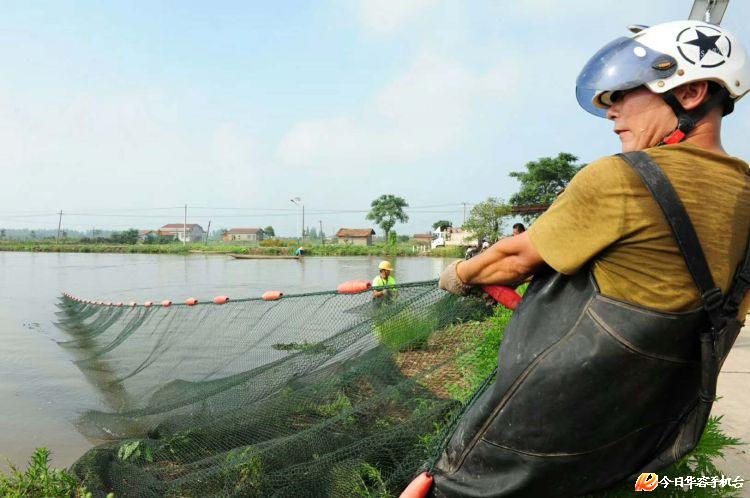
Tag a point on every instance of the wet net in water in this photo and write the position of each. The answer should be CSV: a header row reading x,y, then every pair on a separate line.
x,y
323,394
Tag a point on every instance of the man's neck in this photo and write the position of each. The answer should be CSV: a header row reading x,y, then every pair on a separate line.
x,y
707,135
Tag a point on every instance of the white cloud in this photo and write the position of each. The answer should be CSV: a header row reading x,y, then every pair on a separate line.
x,y
232,148
128,149
390,15
422,114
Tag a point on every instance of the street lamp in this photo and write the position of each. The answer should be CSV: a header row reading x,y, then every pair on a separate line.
x,y
297,201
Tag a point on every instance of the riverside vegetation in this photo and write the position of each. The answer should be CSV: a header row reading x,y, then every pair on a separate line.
x,y
271,247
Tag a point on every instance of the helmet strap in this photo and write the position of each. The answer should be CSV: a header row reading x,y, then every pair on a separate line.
x,y
687,120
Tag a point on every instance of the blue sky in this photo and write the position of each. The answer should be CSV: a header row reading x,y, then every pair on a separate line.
x,y
111,108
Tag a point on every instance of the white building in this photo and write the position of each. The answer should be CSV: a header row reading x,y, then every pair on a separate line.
x,y
244,234
189,233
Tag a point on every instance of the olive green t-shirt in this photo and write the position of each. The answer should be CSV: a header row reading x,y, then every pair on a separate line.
x,y
606,215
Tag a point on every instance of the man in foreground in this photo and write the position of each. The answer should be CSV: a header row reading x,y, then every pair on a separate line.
x,y
605,370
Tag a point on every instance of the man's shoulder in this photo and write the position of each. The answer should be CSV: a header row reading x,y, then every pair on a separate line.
x,y
690,155
605,173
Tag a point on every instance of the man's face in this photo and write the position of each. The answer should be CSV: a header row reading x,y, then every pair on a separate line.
x,y
642,119
384,273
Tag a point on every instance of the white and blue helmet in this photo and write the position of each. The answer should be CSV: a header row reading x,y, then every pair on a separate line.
x,y
661,58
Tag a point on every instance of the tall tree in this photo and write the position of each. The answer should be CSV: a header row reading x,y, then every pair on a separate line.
x,y
486,219
269,231
543,180
442,225
386,211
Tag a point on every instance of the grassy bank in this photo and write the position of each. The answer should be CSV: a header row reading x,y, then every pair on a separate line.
x,y
216,248
40,480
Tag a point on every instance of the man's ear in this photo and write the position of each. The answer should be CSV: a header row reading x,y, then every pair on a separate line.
x,y
692,94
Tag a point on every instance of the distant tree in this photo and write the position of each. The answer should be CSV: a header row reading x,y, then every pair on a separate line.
x,y
2,234
312,233
442,225
543,180
386,211
486,219
130,236
269,231
33,234
64,234
126,237
404,238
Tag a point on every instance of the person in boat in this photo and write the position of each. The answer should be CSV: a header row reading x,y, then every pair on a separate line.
x,y
608,367
385,278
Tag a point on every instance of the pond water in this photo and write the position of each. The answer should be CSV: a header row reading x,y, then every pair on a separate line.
x,y
42,392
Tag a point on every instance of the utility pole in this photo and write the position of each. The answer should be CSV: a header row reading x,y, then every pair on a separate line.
x,y
184,228
322,239
208,231
59,225
464,213
298,202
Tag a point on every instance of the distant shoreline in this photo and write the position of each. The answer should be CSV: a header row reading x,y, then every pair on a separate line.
x,y
180,249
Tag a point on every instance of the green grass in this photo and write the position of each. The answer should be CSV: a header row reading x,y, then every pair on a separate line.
x,y
405,331
384,250
39,480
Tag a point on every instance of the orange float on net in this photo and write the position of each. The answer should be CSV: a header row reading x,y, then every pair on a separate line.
x,y
148,304
272,295
191,301
120,304
221,299
354,286
419,487
166,303
133,304
503,295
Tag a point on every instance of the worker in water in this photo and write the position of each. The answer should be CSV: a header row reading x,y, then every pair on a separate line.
x,y
608,367
384,278
518,228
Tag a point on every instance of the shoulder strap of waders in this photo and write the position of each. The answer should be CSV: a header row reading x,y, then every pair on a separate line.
x,y
687,240
740,284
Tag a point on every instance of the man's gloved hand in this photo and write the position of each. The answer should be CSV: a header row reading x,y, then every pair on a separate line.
x,y
450,281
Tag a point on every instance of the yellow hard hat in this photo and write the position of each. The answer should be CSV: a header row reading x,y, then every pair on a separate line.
x,y
385,265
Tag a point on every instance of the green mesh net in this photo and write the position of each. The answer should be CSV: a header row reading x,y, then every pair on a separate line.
x,y
322,394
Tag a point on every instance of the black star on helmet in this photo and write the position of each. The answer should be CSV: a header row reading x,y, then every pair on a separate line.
x,y
705,43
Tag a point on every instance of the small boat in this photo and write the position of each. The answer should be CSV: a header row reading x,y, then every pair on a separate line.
x,y
261,256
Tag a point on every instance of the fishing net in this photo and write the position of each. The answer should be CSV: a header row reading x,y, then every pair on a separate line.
x,y
323,394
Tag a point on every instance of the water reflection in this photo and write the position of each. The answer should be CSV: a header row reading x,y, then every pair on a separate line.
x,y
43,392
